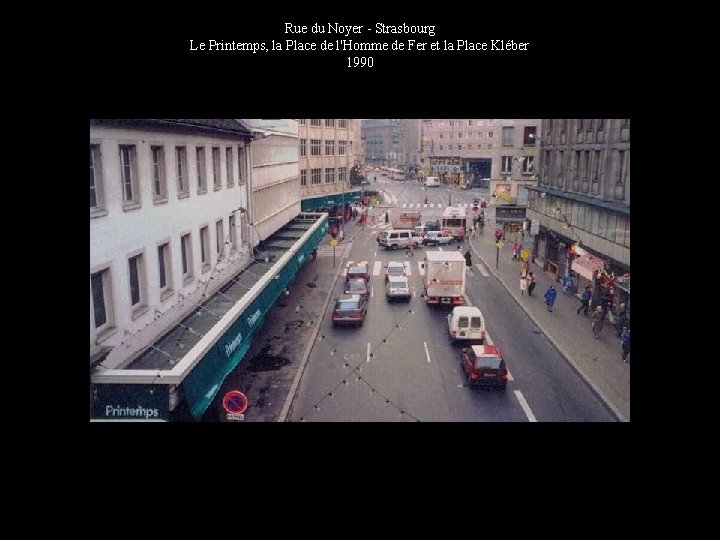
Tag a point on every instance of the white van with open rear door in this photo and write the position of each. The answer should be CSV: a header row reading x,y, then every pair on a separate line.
x,y
432,181
466,324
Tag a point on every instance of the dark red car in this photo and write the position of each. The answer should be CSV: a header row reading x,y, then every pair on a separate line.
x,y
484,366
350,310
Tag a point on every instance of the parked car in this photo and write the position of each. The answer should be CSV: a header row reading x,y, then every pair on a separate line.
x,y
437,238
359,270
357,286
484,366
394,268
398,287
350,310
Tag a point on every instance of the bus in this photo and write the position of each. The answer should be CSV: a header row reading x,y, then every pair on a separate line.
x,y
454,221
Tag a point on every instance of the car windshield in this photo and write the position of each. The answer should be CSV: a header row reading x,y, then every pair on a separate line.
x,y
397,270
358,270
487,362
347,305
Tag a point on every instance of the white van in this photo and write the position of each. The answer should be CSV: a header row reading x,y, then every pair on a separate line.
x,y
466,323
432,181
398,238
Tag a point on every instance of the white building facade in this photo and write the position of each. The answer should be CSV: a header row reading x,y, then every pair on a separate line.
x,y
168,202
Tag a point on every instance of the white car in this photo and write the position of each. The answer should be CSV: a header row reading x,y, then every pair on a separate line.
x,y
436,238
393,269
397,287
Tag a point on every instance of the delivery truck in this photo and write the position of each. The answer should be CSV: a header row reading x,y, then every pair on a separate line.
x,y
444,279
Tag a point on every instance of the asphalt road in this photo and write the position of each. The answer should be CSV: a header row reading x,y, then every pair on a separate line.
x,y
401,366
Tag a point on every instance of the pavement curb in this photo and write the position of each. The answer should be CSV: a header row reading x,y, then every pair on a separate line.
x,y
308,349
613,409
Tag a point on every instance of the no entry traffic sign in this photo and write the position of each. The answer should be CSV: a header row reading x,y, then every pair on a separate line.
x,y
235,402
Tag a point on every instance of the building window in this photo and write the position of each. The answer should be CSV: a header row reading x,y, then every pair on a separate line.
x,y
229,166
187,260
96,179
460,135
303,121
469,122
101,286
329,148
600,124
128,174
158,172
329,176
204,249
490,134
529,135
459,146
181,171
219,238
508,136
165,270
342,174
528,165
343,123
489,146
580,124
315,122
233,233
623,171
342,148
217,175
441,147
315,176
506,164
303,147
303,177
241,165
441,135
315,147
329,122
201,172
136,266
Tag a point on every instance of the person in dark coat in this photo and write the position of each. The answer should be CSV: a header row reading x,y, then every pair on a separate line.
x,y
531,283
468,258
550,296
625,342
585,300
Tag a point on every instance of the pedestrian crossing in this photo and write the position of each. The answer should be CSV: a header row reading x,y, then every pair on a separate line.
x,y
434,205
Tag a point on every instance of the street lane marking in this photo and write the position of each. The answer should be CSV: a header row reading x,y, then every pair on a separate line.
x,y
427,353
376,268
525,406
372,292
482,270
367,355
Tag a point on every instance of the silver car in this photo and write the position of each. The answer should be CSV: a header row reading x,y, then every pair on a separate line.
x,y
398,287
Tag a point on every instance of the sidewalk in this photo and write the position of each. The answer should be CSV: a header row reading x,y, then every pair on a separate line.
x,y
598,361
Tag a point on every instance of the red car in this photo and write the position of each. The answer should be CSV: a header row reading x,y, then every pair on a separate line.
x,y
484,366
350,310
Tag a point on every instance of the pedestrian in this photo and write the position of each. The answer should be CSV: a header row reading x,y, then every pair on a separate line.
x,y
468,259
625,342
531,283
387,217
523,284
314,254
585,300
498,235
409,250
425,200
516,249
621,321
550,296
599,315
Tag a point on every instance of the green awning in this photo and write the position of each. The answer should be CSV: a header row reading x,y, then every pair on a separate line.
x,y
330,200
203,383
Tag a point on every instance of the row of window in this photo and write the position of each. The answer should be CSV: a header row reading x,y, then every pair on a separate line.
x,y
159,171
526,163
582,124
468,135
102,280
583,170
329,122
458,123
529,135
316,176
601,222
462,146
316,146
